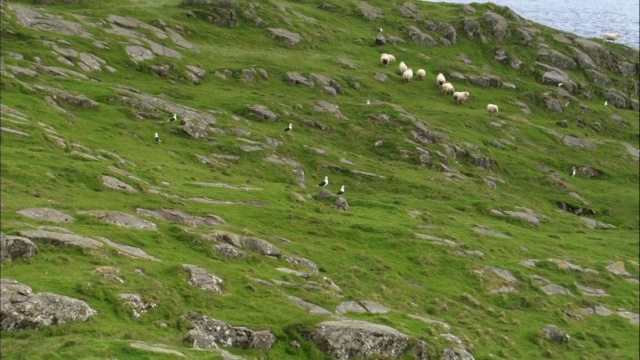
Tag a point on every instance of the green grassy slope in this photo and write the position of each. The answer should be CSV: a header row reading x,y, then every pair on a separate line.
x,y
371,251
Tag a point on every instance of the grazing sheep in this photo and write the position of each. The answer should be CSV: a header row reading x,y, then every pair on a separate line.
x,y
611,36
446,88
420,74
492,109
386,59
407,75
403,67
440,79
460,96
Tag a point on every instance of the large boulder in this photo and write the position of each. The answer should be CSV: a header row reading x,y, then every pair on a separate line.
x,y
456,354
584,60
554,334
262,112
352,338
46,214
556,58
370,12
616,98
121,219
297,79
208,333
597,52
15,247
60,239
202,279
419,37
182,217
598,77
409,10
288,38
498,24
23,309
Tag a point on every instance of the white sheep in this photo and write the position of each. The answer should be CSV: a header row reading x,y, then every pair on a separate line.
x,y
386,59
446,88
407,75
420,74
492,109
460,96
611,36
440,79
403,67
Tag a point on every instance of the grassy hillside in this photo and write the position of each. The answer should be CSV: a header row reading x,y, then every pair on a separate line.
x,y
371,251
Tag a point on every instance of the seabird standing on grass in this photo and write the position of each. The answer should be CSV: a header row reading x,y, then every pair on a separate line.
x,y
157,137
341,190
174,118
325,182
606,103
380,30
573,171
368,102
289,128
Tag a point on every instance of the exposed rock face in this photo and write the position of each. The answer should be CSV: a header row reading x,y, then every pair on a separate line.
x,y
368,11
616,98
341,204
115,184
208,333
361,307
15,247
351,338
554,334
420,38
556,58
22,309
498,24
409,10
180,216
196,74
202,279
312,308
262,112
60,239
617,268
31,18
287,37
324,194
529,215
295,78
137,304
323,106
579,143
598,78
121,219
130,251
46,214
456,354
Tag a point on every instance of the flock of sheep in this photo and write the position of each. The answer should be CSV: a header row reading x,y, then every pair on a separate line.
x,y
445,87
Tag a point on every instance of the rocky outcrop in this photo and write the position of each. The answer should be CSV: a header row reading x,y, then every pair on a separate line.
x,y
554,334
121,219
28,17
419,37
46,214
528,215
556,58
202,279
262,112
208,333
363,306
15,247
456,354
324,106
23,309
351,338
137,303
286,37
115,184
616,98
499,26
297,79
368,11
182,217
60,239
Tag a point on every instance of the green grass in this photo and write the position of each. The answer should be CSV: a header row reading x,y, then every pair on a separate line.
x,y
371,251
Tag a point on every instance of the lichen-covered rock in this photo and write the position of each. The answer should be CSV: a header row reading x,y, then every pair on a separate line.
x,y
46,214
616,98
60,239
419,37
456,354
341,204
498,24
351,338
363,306
262,112
115,184
23,309
121,219
554,334
202,279
287,37
295,78
207,333
368,11
556,58
182,217
15,247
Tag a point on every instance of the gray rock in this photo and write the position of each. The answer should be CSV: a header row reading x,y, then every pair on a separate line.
x,y
121,219
311,308
351,338
262,112
60,239
593,224
380,39
555,335
420,38
556,58
472,28
46,214
348,64
297,79
597,52
196,74
487,231
139,53
15,247
361,307
553,289
506,275
485,81
498,24
617,268
287,37
409,10
598,77
323,106
530,216
302,262
73,100
155,349
202,279
250,148
584,60
634,318
137,304
128,250
598,310
616,98
220,333
579,143
456,354
23,309
509,86
324,194
380,77
588,291
182,217
28,17
115,184
229,251
341,204
368,11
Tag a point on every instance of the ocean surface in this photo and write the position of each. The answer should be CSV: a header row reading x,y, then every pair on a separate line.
x,y
586,18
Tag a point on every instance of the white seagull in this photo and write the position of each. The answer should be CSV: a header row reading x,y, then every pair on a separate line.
x,y
573,171
289,128
560,84
380,30
368,102
174,118
325,182
341,190
606,103
157,137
